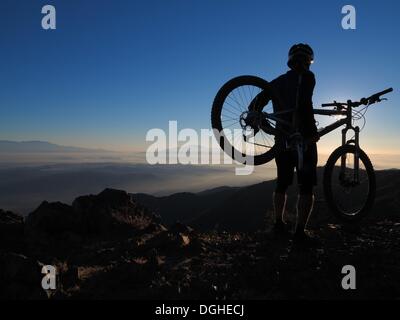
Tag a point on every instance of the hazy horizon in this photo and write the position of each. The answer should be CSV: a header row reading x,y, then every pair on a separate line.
x,y
19,157
27,179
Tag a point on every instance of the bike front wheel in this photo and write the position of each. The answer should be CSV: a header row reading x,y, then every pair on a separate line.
x,y
349,192
238,107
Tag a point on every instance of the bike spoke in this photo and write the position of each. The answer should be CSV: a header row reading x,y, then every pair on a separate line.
x,y
234,114
231,125
239,110
236,103
241,98
236,100
349,195
230,118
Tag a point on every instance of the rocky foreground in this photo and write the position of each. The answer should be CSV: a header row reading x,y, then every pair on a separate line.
x,y
108,246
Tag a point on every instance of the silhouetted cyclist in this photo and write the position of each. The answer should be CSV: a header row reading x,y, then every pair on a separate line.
x,y
294,90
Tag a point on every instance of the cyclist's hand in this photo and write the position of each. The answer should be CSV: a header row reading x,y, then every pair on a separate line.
x,y
314,139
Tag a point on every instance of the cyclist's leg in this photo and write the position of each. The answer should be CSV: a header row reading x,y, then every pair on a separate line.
x,y
285,169
305,203
307,179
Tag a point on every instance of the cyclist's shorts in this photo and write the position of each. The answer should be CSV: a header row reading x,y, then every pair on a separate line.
x,y
286,162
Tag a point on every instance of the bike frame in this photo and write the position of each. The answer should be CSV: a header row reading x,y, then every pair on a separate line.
x,y
346,121
297,141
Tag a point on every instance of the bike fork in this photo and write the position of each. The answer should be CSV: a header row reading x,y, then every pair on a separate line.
x,y
356,159
356,156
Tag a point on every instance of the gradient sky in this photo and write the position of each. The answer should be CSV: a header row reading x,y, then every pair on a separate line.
x,y
114,69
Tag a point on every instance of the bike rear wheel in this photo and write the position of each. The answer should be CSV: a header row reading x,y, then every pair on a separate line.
x,y
230,117
350,200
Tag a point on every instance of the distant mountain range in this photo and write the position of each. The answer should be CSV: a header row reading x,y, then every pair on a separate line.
x,y
40,146
225,208
23,187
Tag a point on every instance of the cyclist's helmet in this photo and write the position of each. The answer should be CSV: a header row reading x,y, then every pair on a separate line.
x,y
300,52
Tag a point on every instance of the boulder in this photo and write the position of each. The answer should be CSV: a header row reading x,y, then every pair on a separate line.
x,y
20,277
111,211
155,228
52,230
167,242
53,218
58,229
179,227
11,231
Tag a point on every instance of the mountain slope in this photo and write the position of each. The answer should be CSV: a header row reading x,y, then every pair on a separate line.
x,y
246,208
107,246
185,206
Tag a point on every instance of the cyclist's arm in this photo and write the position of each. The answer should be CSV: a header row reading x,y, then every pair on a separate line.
x,y
308,120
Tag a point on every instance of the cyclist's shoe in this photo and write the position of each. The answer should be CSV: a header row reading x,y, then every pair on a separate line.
x,y
301,238
281,229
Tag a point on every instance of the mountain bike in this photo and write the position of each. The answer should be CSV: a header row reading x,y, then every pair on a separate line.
x,y
245,105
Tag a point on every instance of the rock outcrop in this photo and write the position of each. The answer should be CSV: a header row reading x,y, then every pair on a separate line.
x,y
20,277
59,229
11,231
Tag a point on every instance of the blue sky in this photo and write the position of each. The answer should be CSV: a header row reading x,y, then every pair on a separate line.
x,y
114,69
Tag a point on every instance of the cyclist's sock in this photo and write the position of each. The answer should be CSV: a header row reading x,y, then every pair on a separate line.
x,y
305,205
279,201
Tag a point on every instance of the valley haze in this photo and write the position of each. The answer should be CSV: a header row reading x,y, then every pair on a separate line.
x,y
34,171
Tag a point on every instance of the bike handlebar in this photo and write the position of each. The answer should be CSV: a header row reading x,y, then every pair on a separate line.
x,y
383,92
333,104
376,96
371,99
